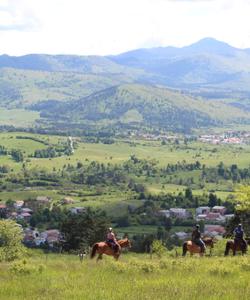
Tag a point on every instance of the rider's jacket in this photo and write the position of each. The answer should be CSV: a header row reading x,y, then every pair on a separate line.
x,y
111,236
238,233
196,235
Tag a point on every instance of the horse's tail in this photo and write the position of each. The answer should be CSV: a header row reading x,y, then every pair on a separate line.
x,y
184,249
228,245
94,249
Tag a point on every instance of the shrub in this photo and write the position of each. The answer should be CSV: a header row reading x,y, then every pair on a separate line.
x,y
158,248
10,241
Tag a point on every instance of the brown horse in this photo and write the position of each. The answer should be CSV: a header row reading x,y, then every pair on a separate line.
x,y
239,247
103,248
193,248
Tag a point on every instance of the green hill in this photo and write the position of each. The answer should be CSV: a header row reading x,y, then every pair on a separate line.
x,y
21,88
133,88
143,105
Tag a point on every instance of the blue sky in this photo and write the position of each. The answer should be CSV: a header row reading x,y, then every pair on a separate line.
x,y
114,26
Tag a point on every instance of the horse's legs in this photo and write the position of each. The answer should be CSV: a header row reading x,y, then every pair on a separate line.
x,y
99,257
227,249
116,256
184,249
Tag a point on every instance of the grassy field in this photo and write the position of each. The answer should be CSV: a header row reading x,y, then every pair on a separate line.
x,y
120,151
18,117
146,229
135,276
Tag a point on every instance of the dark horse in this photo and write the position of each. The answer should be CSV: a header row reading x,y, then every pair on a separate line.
x,y
193,248
239,247
103,248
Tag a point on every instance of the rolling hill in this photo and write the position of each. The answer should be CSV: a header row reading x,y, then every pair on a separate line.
x,y
159,87
208,64
21,88
143,105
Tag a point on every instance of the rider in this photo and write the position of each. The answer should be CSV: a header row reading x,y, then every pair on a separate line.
x,y
239,237
196,238
111,240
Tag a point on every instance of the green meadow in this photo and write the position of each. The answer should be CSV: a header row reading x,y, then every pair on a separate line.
x,y
121,150
110,198
18,117
134,276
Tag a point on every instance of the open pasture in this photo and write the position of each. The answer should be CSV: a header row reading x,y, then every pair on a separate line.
x,y
135,276
121,150
18,117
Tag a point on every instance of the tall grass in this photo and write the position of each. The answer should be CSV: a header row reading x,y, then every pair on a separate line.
x,y
133,277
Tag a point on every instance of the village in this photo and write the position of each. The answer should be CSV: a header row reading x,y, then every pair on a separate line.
x,y
20,212
229,137
212,218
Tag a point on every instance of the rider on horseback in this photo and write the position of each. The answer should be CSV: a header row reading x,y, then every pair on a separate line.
x,y
239,238
111,240
196,238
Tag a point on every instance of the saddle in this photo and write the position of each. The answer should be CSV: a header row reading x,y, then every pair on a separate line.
x,y
112,245
194,247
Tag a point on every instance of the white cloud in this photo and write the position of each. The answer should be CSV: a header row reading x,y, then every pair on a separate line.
x,y
16,15
113,26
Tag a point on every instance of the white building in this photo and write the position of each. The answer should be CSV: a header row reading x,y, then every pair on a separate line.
x,y
202,210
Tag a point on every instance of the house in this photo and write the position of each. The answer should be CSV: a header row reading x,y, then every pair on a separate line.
x,y
25,216
219,209
13,215
215,216
27,210
67,200
180,213
201,217
31,237
164,213
18,204
202,210
229,216
3,207
214,230
52,236
181,235
77,210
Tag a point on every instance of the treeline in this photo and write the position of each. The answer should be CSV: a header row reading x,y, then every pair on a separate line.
x,y
232,172
16,155
131,173
3,150
32,138
52,152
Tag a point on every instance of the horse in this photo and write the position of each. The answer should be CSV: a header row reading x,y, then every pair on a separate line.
x,y
239,247
193,248
103,248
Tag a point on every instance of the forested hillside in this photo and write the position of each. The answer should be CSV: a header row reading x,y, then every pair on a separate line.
x,y
201,85
143,105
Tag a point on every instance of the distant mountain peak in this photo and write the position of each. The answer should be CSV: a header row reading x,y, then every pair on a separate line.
x,y
211,45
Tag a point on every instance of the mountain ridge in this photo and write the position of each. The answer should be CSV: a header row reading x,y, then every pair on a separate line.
x,y
143,105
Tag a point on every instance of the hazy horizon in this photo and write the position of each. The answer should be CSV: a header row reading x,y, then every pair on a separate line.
x,y
110,54
115,26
